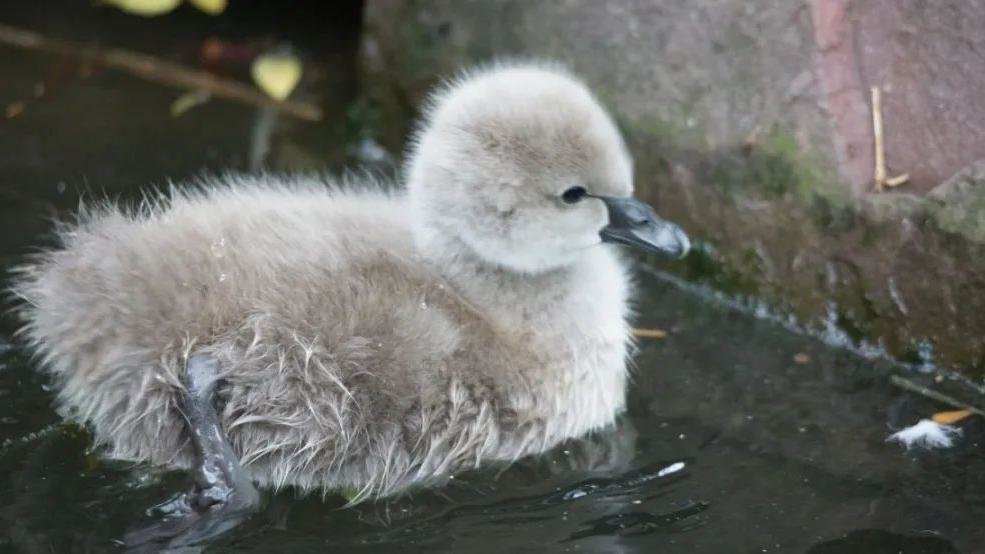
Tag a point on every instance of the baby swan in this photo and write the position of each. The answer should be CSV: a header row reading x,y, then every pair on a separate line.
x,y
280,332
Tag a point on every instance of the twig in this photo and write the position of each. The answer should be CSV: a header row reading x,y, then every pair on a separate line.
x,y
911,386
650,333
880,171
880,178
156,70
897,180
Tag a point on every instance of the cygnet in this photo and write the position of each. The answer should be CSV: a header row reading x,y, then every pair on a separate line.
x,y
273,331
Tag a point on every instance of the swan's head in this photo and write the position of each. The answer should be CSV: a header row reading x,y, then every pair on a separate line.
x,y
521,166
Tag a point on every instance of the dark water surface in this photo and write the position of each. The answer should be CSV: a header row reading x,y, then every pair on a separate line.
x,y
728,446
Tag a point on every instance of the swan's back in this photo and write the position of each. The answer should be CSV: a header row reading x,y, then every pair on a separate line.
x,y
183,264
312,298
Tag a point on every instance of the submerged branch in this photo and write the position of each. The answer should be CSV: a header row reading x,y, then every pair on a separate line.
x,y
156,70
911,386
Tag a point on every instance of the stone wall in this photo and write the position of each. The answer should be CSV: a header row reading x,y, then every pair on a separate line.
x,y
751,126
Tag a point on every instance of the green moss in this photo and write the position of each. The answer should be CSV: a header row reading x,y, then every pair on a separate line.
x,y
702,266
772,176
774,167
830,213
674,132
964,216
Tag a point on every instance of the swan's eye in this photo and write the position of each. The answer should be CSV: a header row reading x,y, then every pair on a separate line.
x,y
573,194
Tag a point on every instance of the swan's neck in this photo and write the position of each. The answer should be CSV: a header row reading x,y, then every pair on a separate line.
x,y
575,298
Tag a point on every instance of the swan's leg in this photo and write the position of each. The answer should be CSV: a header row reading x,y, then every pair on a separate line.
x,y
223,495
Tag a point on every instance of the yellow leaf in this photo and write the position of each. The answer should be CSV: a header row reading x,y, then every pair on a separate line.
x,y
650,333
14,109
947,418
188,101
277,74
211,7
146,8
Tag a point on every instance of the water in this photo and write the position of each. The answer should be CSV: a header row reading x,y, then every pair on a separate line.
x,y
729,445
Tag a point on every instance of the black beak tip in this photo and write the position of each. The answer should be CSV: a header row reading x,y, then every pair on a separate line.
x,y
669,240
683,244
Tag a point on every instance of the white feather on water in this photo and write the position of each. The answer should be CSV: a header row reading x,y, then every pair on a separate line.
x,y
927,434
672,468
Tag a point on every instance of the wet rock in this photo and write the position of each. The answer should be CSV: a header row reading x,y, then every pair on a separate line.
x,y
958,204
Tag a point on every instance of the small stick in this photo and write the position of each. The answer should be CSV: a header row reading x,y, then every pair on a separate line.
x,y
879,177
650,333
156,70
911,386
880,154
897,180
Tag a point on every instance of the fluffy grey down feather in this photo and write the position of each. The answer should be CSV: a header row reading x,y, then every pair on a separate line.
x,y
368,340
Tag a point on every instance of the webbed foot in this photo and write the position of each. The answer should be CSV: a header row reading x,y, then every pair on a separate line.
x,y
223,495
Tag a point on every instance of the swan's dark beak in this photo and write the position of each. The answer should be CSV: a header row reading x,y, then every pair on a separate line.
x,y
634,223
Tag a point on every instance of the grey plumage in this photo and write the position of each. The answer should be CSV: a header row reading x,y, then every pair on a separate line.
x,y
368,340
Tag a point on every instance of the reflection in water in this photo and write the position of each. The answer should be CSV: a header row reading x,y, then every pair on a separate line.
x,y
644,523
874,541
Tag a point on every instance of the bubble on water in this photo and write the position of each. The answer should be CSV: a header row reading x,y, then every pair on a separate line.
x,y
577,493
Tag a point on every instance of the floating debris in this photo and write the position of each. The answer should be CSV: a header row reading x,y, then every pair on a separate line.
x,y
951,417
911,386
926,433
9,444
672,468
937,432
650,333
